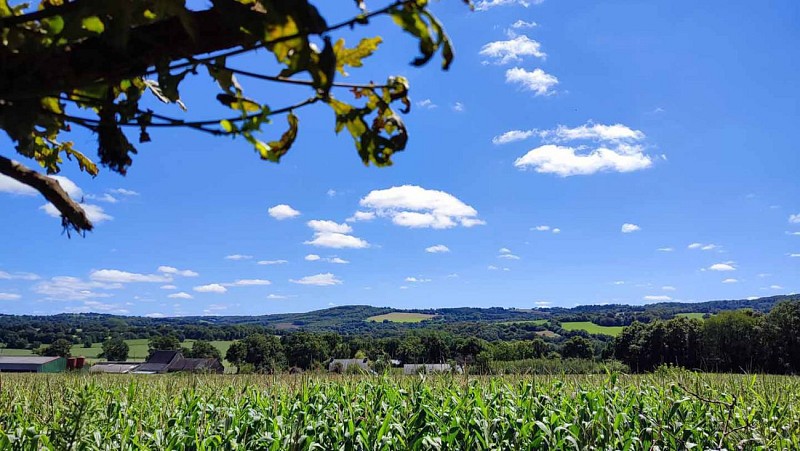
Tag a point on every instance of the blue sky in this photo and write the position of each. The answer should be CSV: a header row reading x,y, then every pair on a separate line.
x,y
655,137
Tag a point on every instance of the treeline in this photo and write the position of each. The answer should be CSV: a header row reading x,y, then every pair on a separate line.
x,y
729,341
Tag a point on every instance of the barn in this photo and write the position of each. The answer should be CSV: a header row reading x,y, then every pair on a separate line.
x,y
32,364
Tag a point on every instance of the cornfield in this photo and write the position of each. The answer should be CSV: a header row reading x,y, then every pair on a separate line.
x,y
665,411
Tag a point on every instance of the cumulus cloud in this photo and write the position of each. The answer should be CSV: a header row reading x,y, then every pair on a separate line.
x,y
484,5
248,283
312,257
272,262
11,186
168,287
702,247
538,81
426,103
210,288
9,297
508,256
181,295
417,207
523,24
657,298
124,192
18,276
665,249
512,50
320,280
117,276
437,249
458,107
668,288
277,296
337,241
513,136
417,280
776,287
629,228
315,257
727,266
361,216
794,255
620,151
794,219
237,257
177,272
66,288
730,280
283,211
328,226
103,198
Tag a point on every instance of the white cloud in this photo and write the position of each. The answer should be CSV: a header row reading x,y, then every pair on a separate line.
x,y
272,262
320,226
9,297
338,261
793,233
508,256
312,257
361,216
665,249
776,287
629,228
283,211
504,250
18,276
177,272
542,304
11,186
426,103
556,230
594,132
728,266
277,296
417,207
702,246
668,288
65,288
794,219
315,257
657,298
337,241
181,295
155,315
168,287
794,255
237,257
619,282
96,306
95,213
117,276
513,136
512,50
331,192
729,281
437,249
458,107
522,24
248,283
320,280
538,81
124,192
210,288
103,198
566,161
417,280
542,228
484,5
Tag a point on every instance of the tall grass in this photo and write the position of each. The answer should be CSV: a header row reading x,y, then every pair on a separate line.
x,y
667,410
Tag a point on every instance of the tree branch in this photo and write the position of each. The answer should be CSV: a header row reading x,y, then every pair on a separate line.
x,y
49,187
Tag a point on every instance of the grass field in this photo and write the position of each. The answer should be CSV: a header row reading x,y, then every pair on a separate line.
x,y
693,315
137,352
669,410
535,322
592,328
401,317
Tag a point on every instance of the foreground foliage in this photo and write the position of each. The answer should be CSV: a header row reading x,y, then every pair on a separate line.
x,y
667,410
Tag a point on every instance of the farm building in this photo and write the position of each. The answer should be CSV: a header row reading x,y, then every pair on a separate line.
x,y
341,365
114,367
31,364
431,368
173,361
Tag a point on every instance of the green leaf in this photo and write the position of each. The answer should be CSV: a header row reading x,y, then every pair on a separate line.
x,y
228,126
352,57
238,103
84,162
93,24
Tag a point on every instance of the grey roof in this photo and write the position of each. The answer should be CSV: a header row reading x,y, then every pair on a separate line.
x,y
113,367
430,368
164,357
26,360
152,368
347,362
199,365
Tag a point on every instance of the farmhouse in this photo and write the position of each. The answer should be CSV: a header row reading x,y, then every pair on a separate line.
x,y
340,365
31,364
431,368
114,367
173,361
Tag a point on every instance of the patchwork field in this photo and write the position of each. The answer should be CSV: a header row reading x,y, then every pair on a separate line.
x,y
592,328
667,410
694,315
401,317
138,349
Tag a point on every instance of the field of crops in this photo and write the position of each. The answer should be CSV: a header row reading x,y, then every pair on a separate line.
x,y
401,317
592,328
664,411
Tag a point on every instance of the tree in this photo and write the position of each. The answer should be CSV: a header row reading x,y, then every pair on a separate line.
x,y
203,350
60,348
782,337
577,347
88,64
731,341
304,349
163,343
115,350
263,352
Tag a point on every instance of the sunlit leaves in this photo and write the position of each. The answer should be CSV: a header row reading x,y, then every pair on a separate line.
x,y
413,18
353,57
276,149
